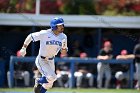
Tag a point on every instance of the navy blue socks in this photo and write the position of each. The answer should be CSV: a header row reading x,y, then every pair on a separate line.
x,y
43,90
42,80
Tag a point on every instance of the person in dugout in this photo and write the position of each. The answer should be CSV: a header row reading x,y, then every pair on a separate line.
x,y
123,69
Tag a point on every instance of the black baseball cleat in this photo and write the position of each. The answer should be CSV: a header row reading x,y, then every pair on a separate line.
x,y
37,88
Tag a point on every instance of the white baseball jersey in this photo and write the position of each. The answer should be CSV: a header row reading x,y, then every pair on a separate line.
x,y
50,44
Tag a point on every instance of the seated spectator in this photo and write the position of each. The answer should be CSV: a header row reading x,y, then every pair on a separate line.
x,y
20,73
123,70
63,76
63,73
83,73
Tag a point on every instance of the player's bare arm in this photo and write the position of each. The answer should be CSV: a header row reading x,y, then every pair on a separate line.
x,y
121,57
25,45
131,56
103,57
110,57
99,57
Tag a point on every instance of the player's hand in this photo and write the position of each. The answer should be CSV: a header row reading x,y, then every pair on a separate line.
x,y
22,52
106,57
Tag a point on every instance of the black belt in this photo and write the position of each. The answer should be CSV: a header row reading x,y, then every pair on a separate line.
x,y
48,58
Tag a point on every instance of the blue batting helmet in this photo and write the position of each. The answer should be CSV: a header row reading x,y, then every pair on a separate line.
x,y
56,21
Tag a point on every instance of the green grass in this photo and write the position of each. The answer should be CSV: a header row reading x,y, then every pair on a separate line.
x,y
16,89
91,90
97,90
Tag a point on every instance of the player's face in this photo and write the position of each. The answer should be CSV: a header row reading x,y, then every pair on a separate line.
x,y
60,28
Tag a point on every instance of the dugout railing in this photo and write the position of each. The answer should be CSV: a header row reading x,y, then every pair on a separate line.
x,y
72,61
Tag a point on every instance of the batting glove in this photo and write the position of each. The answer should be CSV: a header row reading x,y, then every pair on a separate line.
x,y
64,44
23,52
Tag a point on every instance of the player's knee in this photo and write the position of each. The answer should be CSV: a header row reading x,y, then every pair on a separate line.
x,y
47,85
8,73
59,75
78,74
26,73
89,75
119,75
51,79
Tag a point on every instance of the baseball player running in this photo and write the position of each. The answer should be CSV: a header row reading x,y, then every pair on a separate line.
x,y
51,42
104,68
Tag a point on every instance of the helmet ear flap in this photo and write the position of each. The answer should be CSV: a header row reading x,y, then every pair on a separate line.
x,y
54,27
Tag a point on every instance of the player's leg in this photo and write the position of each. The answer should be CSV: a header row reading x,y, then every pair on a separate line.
x,y
50,74
8,78
100,70
38,85
69,80
59,79
90,78
126,76
47,70
66,84
119,76
138,75
39,81
50,80
79,77
135,80
107,75
26,77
